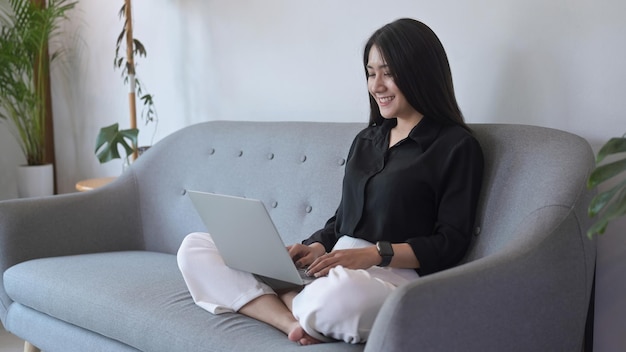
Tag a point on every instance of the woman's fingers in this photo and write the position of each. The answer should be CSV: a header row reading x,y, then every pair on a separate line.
x,y
359,258
302,255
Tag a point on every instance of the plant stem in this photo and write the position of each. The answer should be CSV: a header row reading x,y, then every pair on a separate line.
x,y
132,103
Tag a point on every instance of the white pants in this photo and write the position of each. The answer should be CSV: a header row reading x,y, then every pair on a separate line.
x,y
342,305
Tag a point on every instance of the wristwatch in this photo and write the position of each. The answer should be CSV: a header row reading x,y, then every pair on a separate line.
x,y
385,251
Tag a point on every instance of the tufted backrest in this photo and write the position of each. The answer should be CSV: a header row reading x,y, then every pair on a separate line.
x,y
296,169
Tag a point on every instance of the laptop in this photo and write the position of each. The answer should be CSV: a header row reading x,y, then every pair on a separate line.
x,y
247,239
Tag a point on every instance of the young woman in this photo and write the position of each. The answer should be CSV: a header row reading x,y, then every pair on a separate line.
x,y
410,190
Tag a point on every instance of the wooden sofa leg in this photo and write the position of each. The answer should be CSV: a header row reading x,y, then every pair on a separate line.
x,y
28,347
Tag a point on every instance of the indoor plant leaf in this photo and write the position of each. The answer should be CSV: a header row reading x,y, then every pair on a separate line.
x,y
601,200
609,204
613,211
605,172
26,30
613,146
110,138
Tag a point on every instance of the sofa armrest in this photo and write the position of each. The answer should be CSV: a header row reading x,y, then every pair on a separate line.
x,y
531,296
105,219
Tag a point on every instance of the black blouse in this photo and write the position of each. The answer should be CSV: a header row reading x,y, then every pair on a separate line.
x,y
422,191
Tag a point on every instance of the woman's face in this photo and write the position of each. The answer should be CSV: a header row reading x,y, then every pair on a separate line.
x,y
382,87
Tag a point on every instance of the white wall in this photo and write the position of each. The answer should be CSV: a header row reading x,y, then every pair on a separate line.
x,y
558,64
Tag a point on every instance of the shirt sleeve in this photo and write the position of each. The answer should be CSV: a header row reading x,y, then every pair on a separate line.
x,y
325,235
457,195
328,235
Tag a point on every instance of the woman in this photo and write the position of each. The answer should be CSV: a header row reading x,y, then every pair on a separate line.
x,y
410,190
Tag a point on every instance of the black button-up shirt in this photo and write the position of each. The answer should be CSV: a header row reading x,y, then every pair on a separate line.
x,y
422,191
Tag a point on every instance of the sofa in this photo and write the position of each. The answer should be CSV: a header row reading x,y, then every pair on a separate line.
x,y
96,271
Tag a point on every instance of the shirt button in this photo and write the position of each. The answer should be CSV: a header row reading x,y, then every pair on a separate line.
x,y
270,156
303,158
309,209
342,162
274,204
240,153
211,151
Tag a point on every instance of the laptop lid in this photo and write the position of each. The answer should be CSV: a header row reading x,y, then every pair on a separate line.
x,y
246,236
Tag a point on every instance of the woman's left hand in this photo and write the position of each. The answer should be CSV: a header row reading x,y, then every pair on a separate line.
x,y
355,258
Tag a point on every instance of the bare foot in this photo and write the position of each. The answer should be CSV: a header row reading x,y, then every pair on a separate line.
x,y
297,334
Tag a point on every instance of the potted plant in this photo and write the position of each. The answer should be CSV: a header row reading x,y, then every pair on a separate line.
x,y
111,137
26,31
610,204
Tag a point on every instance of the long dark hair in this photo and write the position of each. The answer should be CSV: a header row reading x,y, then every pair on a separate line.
x,y
420,68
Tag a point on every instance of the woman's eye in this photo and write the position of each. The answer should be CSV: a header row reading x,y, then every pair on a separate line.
x,y
388,74
370,75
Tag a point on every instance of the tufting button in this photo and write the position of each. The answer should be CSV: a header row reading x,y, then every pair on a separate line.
x,y
342,162
240,153
303,158
274,204
270,156
211,151
309,209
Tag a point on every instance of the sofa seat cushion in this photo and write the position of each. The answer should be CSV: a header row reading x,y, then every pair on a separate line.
x,y
140,299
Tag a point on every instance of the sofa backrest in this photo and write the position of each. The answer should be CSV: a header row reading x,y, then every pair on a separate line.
x,y
528,169
296,169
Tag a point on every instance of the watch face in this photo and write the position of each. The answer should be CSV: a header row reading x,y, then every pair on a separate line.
x,y
384,249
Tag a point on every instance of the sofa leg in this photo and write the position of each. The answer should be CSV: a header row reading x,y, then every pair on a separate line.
x,y
28,347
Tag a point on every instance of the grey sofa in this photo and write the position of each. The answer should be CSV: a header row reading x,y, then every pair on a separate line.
x,y
96,271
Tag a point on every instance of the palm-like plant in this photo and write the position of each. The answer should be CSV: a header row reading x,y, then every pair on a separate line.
x,y
26,31
610,204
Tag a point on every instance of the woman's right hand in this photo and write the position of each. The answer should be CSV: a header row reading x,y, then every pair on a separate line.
x,y
303,255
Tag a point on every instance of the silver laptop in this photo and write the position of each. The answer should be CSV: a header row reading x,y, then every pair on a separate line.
x,y
247,239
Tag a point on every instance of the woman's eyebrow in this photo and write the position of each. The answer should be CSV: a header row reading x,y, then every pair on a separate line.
x,y
379,66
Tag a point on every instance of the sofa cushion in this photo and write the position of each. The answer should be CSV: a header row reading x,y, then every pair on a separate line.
x,y
140,299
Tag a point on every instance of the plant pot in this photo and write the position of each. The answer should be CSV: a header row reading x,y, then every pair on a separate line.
x,y
35,181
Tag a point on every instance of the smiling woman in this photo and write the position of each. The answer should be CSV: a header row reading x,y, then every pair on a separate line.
x,y
391,102
410,189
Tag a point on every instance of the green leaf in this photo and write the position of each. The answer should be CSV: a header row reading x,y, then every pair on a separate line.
x,y
616,209
26,28
601,200
122,11
613,146
120,37
597,228
139,48
605,172
109,139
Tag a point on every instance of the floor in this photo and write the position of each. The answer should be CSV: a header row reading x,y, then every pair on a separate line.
x,y
10,343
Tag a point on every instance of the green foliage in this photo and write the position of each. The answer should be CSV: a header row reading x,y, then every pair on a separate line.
x,y
108,151
610,204
109,140
24,37
120,62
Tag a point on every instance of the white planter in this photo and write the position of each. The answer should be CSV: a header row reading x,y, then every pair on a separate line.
x,y
35,181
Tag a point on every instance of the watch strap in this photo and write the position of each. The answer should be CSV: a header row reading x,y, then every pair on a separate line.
x,y
385,250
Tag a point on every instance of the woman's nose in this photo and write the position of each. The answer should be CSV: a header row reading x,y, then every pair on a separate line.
x,y
377,84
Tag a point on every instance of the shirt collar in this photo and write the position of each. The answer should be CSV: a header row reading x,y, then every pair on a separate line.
x,y
424,133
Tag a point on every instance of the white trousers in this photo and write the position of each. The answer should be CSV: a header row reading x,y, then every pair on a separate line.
x,y
341,306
